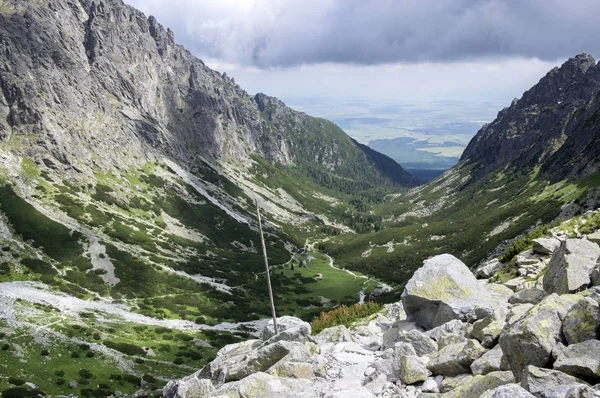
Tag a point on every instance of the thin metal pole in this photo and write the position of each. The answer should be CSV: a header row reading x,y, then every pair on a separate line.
x,y
264,247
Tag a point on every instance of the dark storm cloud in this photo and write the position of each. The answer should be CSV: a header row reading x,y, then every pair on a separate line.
x,y
273,33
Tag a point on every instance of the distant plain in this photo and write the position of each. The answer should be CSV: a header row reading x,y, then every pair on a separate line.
x,y
418,135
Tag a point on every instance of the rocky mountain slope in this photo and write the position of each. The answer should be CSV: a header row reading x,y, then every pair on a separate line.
x,y
537,161
552,125
129,178
91,84
450,336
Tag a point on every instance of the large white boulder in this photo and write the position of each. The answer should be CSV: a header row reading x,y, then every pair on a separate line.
x,y
571,266
444,289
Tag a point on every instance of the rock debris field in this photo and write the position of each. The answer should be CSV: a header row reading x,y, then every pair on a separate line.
x,y
452,335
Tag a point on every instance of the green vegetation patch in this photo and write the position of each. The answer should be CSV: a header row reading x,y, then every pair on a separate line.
x,y
343,315
56,240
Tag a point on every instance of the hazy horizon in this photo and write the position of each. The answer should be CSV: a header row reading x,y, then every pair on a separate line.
x,y
361,64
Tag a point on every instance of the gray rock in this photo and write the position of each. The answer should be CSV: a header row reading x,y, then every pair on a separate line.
x,y
188,387
581,360
335,334
594,237
582,323
454,327
546,383
403,348
450,383
571,266
413,369
508,391
394,312
476,386
595,277
491,361
593,293
259,360
264,385
444,289
488,329
488,269
527,258
298,370
227,357
545,245
530,340
239,363
581,391
516,312
455,359
380,324
422,344
527,296
450,338
296,329
72,384
430,385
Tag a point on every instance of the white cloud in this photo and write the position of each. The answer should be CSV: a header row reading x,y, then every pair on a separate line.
x,y
497,80
382,49
270,33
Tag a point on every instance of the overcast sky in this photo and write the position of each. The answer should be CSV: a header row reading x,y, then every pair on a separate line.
x,y
408,49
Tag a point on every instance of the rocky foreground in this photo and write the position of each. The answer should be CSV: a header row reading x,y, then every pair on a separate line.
x,y
451,336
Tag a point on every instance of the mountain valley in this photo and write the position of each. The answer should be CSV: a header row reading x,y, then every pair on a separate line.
x,y
130,174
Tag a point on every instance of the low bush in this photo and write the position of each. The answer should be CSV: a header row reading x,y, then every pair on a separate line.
x,y
19,392
15,381
343,315
136,381
524,243
125,348
86,374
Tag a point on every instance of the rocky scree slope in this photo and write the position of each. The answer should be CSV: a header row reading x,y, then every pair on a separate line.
x,y
451,336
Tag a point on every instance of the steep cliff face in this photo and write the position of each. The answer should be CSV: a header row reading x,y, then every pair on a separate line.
x,y
324,152
552,125
97,83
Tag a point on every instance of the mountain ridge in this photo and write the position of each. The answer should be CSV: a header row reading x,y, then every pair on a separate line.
x,y
127,74
544,126
130,174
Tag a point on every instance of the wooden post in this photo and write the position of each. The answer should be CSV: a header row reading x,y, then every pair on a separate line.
x,y
264,247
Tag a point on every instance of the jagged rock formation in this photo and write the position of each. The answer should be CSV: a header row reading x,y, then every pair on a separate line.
x,y
547,348
90,84
554,123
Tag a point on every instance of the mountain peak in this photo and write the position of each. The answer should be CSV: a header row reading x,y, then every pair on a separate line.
x,y
535,127
581,61
265,102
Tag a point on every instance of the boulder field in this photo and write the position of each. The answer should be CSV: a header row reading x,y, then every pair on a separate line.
x,y
452,335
